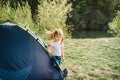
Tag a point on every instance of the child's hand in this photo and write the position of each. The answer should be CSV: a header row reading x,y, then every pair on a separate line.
x,y
62,59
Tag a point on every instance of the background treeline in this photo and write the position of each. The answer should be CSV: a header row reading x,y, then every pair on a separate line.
x,y
93,14
70,15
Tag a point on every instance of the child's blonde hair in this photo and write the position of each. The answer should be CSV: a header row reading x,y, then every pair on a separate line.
x,y
51,35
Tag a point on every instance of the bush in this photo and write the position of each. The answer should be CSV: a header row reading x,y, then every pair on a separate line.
x,y
52,14
115,25
20,15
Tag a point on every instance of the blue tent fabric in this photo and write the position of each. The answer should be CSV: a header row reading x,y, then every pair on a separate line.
x,y
22,57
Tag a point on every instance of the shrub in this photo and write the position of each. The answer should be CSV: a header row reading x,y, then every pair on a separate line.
x,y
115,25
20,15
52,14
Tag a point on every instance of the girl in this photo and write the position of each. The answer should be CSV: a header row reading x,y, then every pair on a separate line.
x,y
56,45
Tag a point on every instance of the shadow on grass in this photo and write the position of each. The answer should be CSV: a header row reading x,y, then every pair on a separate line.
x,y
91,34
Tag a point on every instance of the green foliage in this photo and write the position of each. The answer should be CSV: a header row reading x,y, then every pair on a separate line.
x,y
20,15
92,14
115,25
52,14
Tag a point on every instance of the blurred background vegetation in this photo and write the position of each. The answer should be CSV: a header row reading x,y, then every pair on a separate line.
x,y
70,15
92,53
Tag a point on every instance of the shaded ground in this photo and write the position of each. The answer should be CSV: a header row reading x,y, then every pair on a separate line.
x,y
91,34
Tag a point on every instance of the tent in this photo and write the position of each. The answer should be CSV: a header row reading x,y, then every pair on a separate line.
x,y
23,56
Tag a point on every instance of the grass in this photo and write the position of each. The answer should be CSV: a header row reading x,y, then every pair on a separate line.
x,y
92,58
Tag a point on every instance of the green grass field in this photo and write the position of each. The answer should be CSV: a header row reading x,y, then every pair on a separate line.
x,y
91,58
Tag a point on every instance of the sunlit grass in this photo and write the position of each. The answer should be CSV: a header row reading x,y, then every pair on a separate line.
x,y
92,59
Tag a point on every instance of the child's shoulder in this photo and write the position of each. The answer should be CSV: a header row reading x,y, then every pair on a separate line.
x,y
51,42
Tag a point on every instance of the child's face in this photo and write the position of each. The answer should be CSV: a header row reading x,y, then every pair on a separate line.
x,y
58,38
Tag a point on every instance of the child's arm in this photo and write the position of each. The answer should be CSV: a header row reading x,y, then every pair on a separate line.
x,y
48,47
62,55
62,52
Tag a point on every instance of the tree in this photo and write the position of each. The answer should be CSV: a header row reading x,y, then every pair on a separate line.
x,y
92,14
